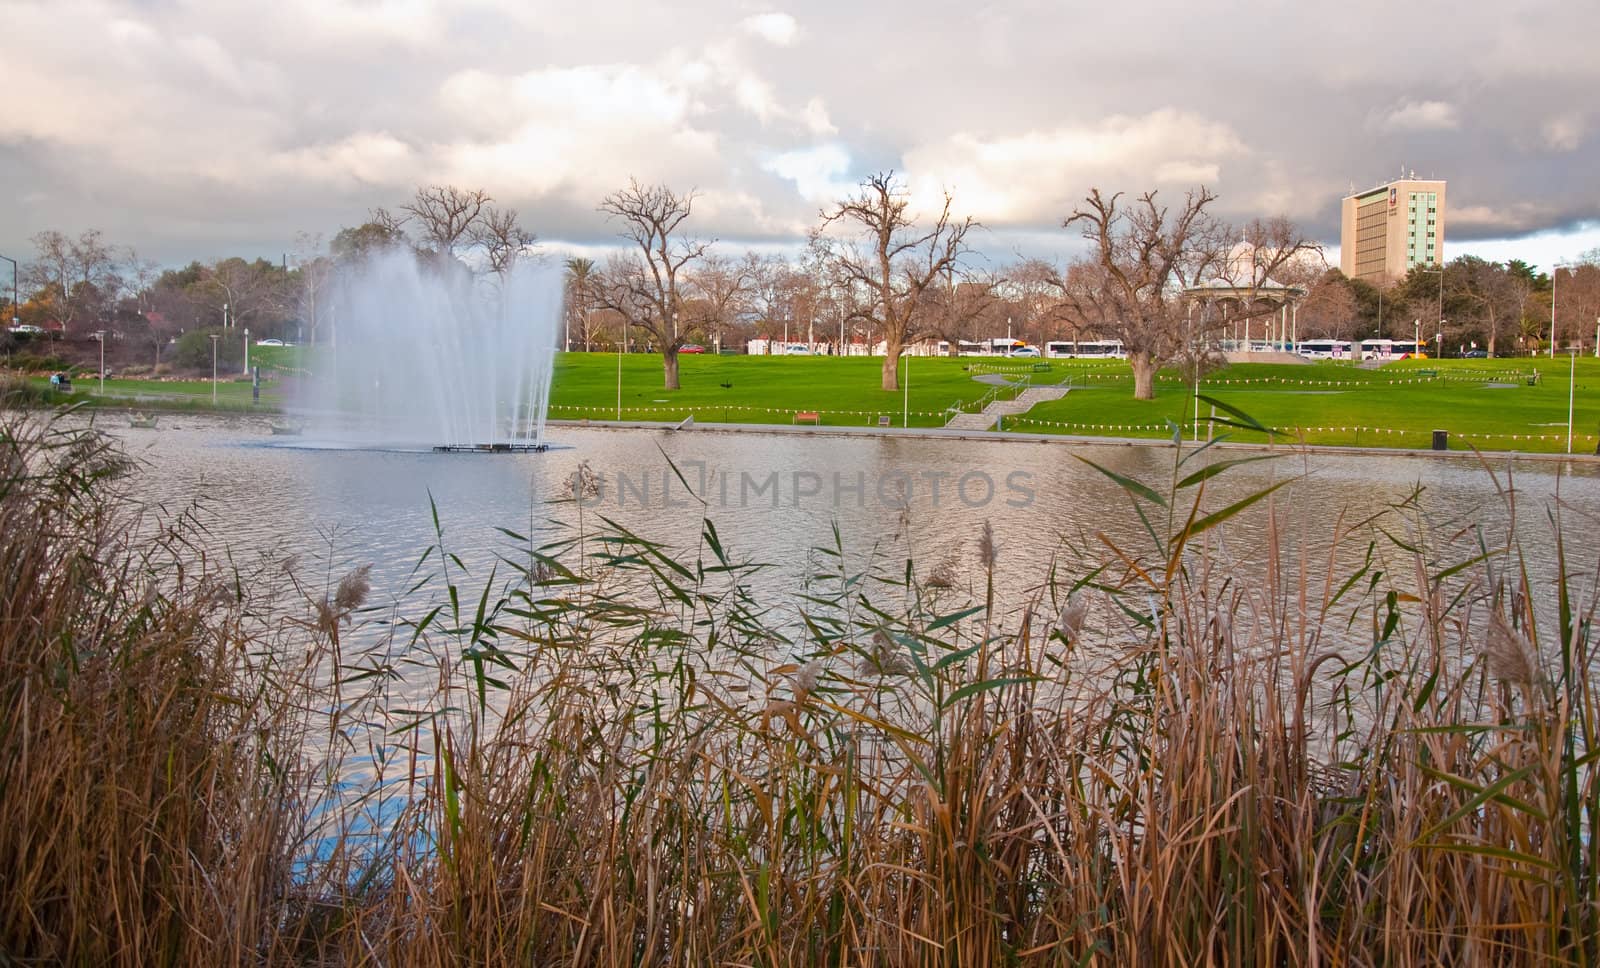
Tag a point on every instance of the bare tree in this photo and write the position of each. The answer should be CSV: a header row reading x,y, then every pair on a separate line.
x,y
645,290
959,310
312,283
78,276
1330,308
720,288
241,291
382,226
444,218
579,300
892,260
1034,296
1577,302
1142,259
503,238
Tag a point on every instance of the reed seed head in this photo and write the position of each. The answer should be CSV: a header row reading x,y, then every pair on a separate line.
x,y
353,589
1512,658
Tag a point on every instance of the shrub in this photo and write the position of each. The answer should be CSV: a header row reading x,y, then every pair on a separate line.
x,y
193,351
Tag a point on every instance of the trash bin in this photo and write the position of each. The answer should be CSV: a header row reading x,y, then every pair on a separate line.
x,y
1441,440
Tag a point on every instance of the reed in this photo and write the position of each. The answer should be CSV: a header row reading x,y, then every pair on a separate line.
x,y
622,757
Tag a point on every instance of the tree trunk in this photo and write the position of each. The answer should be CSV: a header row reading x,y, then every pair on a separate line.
x,y
1144,375
891,364
669,363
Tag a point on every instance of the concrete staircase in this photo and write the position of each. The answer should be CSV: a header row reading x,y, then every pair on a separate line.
x,y
1005,408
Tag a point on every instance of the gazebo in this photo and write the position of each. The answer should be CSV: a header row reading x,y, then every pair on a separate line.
x,y
1280,329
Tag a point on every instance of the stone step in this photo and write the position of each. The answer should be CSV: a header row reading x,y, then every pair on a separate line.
x,y
972,421
1005,408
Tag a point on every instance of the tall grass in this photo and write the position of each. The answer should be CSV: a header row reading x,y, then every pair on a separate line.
x,y
607,751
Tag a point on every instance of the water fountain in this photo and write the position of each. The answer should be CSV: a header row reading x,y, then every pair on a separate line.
x,y
430,355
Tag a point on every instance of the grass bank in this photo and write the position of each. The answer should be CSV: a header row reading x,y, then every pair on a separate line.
x,y
1507,404
606,752
1490,404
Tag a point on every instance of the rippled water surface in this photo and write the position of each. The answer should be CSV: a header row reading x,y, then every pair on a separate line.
x,y
775,497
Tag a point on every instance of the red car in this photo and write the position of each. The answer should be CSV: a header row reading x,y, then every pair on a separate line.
x,y
691,348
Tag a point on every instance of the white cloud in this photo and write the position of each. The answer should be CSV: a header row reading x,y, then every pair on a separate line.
x,y
583,129
1420,116
819,173
777,28
1032,177
816,118
375,158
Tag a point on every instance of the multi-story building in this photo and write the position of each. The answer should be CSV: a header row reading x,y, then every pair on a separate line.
x,y
1387,230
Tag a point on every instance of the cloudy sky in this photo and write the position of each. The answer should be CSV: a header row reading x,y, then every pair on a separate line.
x,y
199,128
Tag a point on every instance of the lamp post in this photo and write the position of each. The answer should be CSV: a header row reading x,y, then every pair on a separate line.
x,y
100,335
1440,272
214,338
620,347
905,418
1554,271
16,307
247,351
1572,382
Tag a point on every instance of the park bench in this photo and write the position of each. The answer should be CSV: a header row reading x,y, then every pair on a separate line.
x,y
802,416
1041,367
884,420
1427,373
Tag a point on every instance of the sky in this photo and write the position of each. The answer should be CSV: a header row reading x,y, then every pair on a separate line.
x,y
202,128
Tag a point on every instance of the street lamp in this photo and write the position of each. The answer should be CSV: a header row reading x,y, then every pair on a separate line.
x,y
247,351
1572,383
620,347
1440,272
214,338
1555,270
905,418
16,307
100,335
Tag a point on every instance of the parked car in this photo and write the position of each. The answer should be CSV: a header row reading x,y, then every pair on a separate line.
x,y
1026,351
269,342
797,349
691,348
1476,354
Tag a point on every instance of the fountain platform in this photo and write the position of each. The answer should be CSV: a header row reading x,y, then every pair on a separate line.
x,y
501,448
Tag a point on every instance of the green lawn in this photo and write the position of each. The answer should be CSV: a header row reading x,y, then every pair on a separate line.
x,y
1487,403
1483,403
760,389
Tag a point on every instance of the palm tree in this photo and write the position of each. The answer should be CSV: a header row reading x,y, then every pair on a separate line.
x,y
580,275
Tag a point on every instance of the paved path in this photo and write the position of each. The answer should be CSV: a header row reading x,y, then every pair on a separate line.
x,y
999,409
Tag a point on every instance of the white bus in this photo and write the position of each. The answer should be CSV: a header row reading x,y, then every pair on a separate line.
x,y
1406,349
1378,349
1327,349
1088,349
